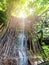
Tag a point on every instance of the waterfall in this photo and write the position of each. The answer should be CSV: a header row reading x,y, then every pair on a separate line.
x,y
22,47
22,50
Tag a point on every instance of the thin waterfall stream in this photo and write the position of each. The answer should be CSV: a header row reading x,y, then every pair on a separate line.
x,y
22,46
22,51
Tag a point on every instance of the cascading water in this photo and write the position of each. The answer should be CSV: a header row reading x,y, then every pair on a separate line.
x,y
22,50
22,47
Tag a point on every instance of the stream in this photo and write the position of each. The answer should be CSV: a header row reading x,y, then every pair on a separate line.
x,y
22,46
22,50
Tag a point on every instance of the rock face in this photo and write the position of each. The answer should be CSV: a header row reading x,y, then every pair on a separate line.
x,y
6,61
8,48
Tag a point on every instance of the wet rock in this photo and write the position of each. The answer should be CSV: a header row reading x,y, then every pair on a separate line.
x,y
6,61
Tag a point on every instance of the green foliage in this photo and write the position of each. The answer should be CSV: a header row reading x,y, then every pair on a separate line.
x,y
44,63
3,16
6,7
39,6
42,31
30,7
46,49
42,27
